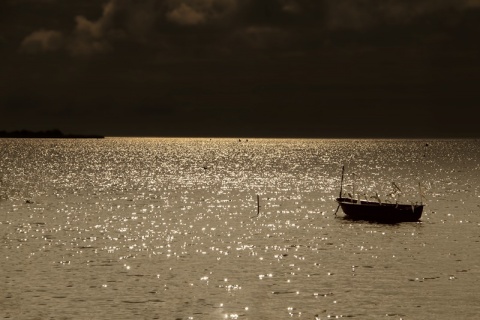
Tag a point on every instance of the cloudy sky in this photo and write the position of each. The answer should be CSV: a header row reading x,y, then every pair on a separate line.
x,y
241,68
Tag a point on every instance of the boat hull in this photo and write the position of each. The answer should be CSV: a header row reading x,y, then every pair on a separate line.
x,y
380,212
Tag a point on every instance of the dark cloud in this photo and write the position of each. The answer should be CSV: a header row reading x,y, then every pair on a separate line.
x,y
269,67
42,41
198,12
275,24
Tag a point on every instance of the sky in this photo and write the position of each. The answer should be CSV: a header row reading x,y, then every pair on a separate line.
x,y
241,68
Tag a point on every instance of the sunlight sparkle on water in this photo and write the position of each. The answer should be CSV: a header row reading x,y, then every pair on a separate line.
x,y
166,228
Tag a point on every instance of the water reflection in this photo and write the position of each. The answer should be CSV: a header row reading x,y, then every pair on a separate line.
x,y
169,228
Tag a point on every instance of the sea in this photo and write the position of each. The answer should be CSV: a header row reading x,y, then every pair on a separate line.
x,y
236,228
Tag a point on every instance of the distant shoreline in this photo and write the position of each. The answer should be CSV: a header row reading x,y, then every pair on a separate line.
x,y
50,134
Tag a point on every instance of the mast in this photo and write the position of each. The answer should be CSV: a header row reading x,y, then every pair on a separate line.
x,y
341,182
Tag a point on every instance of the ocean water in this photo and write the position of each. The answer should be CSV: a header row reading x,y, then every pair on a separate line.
x,y
122,228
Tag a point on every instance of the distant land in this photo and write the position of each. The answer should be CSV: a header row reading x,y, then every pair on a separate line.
x,y
57,134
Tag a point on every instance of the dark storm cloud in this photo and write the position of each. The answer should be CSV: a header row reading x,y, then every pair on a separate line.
x,y
369,13
277,24
133,21
42,41
198,12
251,66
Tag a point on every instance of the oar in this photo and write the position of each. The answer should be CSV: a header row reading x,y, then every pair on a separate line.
x,y
338,207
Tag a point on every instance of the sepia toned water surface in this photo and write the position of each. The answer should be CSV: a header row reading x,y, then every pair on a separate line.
x,y
123,228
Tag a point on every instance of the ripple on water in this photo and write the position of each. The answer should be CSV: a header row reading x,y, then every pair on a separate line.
x,y
157,228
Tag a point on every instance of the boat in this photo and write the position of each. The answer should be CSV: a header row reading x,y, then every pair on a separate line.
x,y
380,212
377,211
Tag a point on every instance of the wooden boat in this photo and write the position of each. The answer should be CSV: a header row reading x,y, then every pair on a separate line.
x,y
378,211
